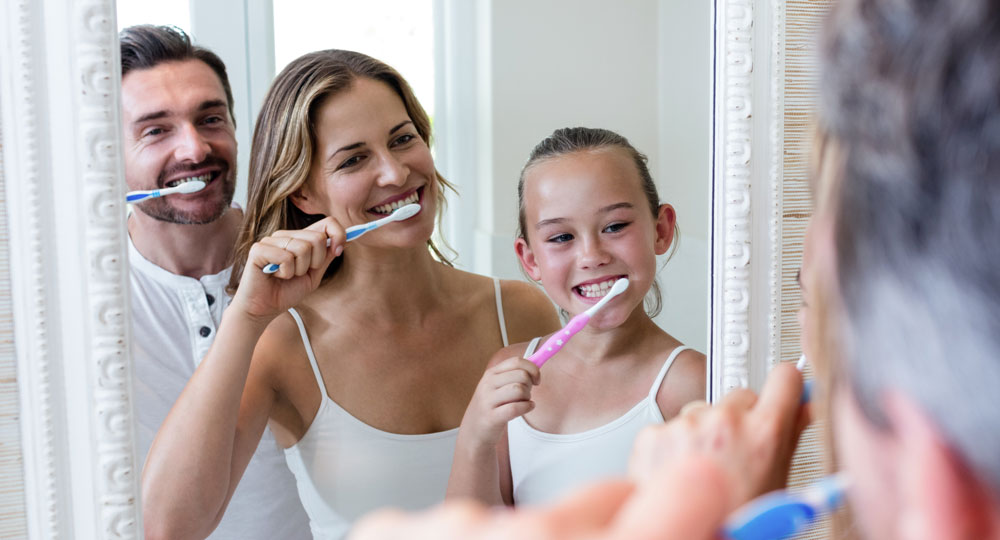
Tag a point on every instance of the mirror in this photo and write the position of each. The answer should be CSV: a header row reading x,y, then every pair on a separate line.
x,y
70,333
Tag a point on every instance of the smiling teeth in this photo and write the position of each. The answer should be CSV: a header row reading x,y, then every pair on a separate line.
x,y
596,290
203,178
391,207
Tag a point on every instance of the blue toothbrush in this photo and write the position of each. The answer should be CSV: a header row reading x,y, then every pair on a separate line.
x,y
187,187
781,514
401,213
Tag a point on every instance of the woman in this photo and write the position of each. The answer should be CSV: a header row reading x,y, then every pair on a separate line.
x,y
365,381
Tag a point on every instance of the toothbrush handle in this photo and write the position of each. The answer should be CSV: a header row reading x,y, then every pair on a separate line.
x,y
558,340
136,197
358,230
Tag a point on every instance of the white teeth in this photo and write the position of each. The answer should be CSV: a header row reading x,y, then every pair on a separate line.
x,y
596,290
203,178
393,206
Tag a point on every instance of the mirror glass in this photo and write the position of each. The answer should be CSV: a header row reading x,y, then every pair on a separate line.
x,y
496,79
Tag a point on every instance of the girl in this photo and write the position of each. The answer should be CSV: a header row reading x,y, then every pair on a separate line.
x,y
365,380
589,215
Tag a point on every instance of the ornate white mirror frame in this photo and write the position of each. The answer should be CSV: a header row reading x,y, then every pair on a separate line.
x,y
67,377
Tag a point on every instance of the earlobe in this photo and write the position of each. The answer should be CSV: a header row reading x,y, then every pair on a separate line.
x,y
527,258
301,199
666,223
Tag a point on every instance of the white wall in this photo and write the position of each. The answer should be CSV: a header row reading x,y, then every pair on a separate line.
x,y
639,67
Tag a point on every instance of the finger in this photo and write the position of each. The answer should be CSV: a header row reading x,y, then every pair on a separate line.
x,y
263,254
332,230
509,377
510,393
782,392
302,250
510,411
741,399
693,407
520,364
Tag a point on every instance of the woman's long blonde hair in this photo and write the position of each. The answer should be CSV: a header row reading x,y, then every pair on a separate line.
x,y
284,141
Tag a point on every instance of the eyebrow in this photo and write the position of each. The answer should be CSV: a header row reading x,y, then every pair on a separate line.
x,y
602,210
156,115
356,145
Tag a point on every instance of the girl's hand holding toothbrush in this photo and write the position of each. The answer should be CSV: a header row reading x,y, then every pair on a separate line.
x,y
303,256
503,394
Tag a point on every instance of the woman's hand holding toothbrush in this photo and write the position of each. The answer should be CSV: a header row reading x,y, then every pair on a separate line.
x,y
303,256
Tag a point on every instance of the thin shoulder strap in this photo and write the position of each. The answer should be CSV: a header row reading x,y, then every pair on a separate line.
x,y
503,323
309,350
532,346
663,370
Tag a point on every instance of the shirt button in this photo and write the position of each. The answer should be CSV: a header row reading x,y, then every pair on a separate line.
x,y
210,298
205,331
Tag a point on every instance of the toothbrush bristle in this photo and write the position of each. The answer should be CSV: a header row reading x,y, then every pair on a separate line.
x,y
191,187
619,287
405,212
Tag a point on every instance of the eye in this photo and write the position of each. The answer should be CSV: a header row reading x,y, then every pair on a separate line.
x,y
403,139
214,119
618,226
559,238
351,161
152,132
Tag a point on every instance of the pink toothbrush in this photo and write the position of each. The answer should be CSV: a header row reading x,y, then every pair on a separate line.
x,y
557,340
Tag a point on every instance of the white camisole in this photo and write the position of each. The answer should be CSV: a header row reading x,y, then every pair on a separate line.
x,y
345,468
546,466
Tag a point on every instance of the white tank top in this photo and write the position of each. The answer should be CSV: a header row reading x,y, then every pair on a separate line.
x,y
345,468
546,466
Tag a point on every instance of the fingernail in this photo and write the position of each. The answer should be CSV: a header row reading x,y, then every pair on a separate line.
x,y
338,251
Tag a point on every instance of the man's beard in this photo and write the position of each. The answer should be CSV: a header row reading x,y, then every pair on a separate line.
x,y
160,208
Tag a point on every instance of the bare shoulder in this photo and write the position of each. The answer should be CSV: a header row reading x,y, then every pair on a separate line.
x,y
527,311
685,382
280,340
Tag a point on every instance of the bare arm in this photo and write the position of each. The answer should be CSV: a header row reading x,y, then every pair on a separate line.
x,y
212,431
504,393
528,312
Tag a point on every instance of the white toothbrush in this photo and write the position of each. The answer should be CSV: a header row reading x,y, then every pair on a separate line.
x,y
557,340
401,213
187,187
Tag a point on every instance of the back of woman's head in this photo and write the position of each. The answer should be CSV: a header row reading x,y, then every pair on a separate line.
x,y
910,93
284,140
566,141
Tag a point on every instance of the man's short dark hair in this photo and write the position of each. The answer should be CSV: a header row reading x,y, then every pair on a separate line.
x,y
146,46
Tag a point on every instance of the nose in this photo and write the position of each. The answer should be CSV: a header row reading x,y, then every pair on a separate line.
x,y
191,145
593,253
392,171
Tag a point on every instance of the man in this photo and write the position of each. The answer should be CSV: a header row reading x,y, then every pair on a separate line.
x,y
177,119
902,279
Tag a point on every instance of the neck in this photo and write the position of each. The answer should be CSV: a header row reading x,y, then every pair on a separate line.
x,y
186,250
595,345
398,283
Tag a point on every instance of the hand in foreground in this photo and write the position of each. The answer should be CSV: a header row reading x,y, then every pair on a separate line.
x,y
737,449
503,393
304,258
750,439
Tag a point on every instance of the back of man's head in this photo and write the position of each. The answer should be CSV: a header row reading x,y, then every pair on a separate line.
x,y
145,46
911,92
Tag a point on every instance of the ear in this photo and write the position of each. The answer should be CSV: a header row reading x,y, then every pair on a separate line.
x,y
527,258
304,200
666,222
940,496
